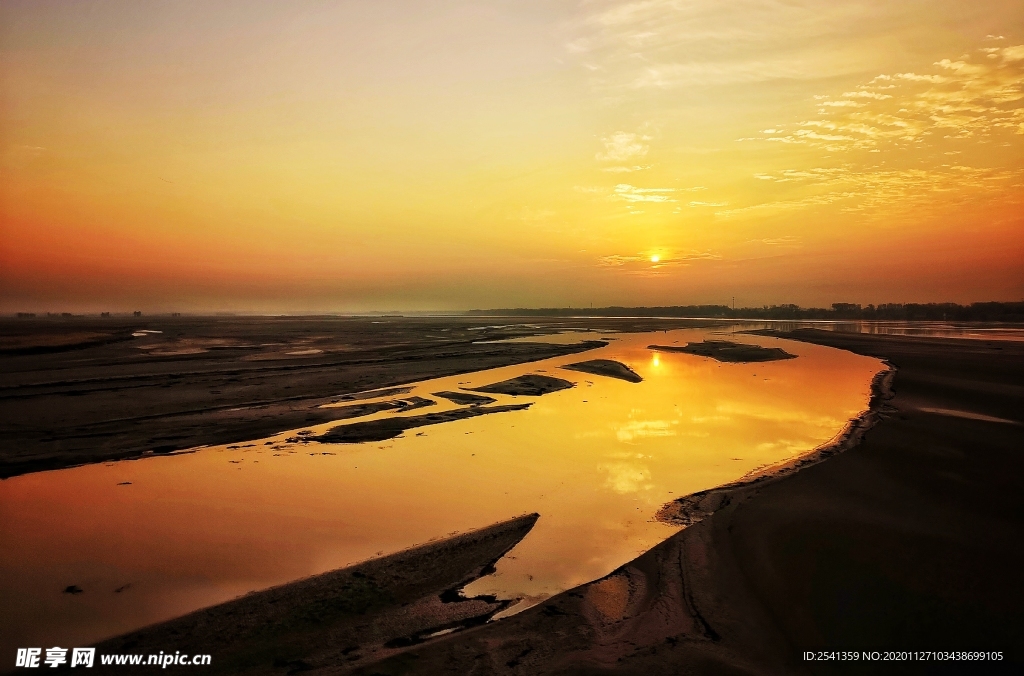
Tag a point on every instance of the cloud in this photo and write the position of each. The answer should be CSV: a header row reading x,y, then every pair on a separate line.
x,y
668,44
641,262
1014,53
634,194
867,95
787,240
623,146
962,100
623,170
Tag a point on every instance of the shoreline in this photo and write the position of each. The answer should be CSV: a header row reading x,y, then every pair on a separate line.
x,y
695,507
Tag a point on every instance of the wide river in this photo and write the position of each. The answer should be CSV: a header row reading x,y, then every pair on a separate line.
x,y
150,539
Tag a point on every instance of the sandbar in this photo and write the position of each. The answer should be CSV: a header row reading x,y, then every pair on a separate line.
x,y
465,398
531,384
728,351
389,428
606,367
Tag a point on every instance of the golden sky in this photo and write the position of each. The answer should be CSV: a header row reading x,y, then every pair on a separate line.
x,y
398,155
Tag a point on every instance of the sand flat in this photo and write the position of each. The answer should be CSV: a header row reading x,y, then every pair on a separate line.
x,y
345,617
389,428
728,351
531,384
606,367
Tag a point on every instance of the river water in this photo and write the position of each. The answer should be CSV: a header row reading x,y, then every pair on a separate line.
x,y
150,539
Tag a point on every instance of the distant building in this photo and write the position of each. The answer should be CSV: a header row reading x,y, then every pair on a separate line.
x,y
137,313
26,315
104,314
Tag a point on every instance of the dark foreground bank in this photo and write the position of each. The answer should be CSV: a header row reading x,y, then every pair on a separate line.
x,y
911,541
338,620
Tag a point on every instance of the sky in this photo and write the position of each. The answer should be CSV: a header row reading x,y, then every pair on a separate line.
x,y
316,156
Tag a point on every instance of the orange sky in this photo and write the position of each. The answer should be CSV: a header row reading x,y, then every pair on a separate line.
x,y
324,156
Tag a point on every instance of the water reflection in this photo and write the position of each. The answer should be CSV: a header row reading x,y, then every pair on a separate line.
x,y
151,539
964,330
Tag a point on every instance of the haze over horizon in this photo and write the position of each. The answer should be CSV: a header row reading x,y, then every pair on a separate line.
x,y
346,157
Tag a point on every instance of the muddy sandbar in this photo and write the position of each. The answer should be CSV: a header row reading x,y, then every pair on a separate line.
x,y
531,385
606,367
728,351
359,410
465,398
389,428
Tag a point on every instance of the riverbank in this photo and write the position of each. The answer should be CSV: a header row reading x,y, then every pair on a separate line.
x,y
345,617
909,541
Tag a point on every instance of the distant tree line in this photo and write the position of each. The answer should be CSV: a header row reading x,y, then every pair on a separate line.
x,y
975,312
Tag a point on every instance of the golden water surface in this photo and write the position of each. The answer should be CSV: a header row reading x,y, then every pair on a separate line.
x,y
151,539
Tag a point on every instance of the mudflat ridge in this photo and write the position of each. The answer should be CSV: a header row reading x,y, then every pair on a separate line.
x,y
389,428
728,351
465,398
530,385
606,367
369,408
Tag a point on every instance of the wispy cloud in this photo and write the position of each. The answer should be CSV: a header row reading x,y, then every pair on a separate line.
x,y
633,194
668,44
880,154
623,146
960,99
626,170
787,240
645,264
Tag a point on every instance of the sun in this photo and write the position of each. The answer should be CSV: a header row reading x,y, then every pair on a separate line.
x,y
655,258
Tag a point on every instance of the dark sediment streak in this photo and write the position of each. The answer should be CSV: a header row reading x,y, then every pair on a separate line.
x,y
532,385
911,537
373,394
727,351
343,618
606,367
389,428
359,410
465,398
